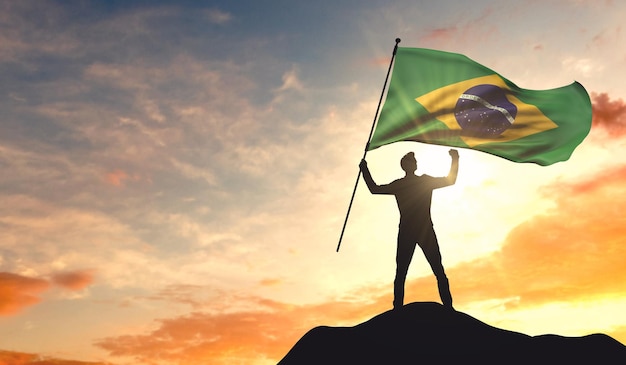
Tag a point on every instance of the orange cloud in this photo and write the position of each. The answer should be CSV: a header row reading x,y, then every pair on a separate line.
x,y
270,282
18,292
605,180
462,30
607,37
573,253
267,332
182,294
576,252
380,61
73,280
119,178
441,34
22,358
116,178
609,115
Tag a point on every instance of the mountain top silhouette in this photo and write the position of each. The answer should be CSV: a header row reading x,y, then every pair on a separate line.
x,y
427,332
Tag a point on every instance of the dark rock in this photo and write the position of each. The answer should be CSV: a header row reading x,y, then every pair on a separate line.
x,y
430,333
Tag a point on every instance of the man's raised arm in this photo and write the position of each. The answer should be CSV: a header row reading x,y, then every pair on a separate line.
x,y
371,185
454,167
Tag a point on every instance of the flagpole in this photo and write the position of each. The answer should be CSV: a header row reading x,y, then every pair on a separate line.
x,y
358,176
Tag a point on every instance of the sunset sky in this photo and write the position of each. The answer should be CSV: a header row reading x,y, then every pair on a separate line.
x,y
175,176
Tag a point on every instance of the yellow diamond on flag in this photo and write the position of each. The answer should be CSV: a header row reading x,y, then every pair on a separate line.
x,y
528,119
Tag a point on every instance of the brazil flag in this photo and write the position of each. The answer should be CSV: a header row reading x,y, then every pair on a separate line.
x,y
448,99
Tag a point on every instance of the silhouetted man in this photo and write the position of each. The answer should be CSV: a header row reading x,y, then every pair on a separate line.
x,y
414,194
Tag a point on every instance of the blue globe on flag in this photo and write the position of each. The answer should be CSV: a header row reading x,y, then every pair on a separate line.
x,y
484,111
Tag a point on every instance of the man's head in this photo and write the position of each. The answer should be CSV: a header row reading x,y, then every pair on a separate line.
x,y
408,163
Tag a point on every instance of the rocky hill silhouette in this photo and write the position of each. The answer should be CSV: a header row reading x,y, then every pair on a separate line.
x,y
423,333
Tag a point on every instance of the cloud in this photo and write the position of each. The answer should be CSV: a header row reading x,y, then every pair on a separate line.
x,y
585,67
73,280
196,296
609,115
607,37
194,124
17,40
217,16
462,30
18,292
575,252
23,358
255,336
41,237
185,127
193,172
441,34
606,179
291,81
270,281
116,177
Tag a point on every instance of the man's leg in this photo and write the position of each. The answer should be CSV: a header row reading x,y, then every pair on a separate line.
x,y
404,254
430,246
